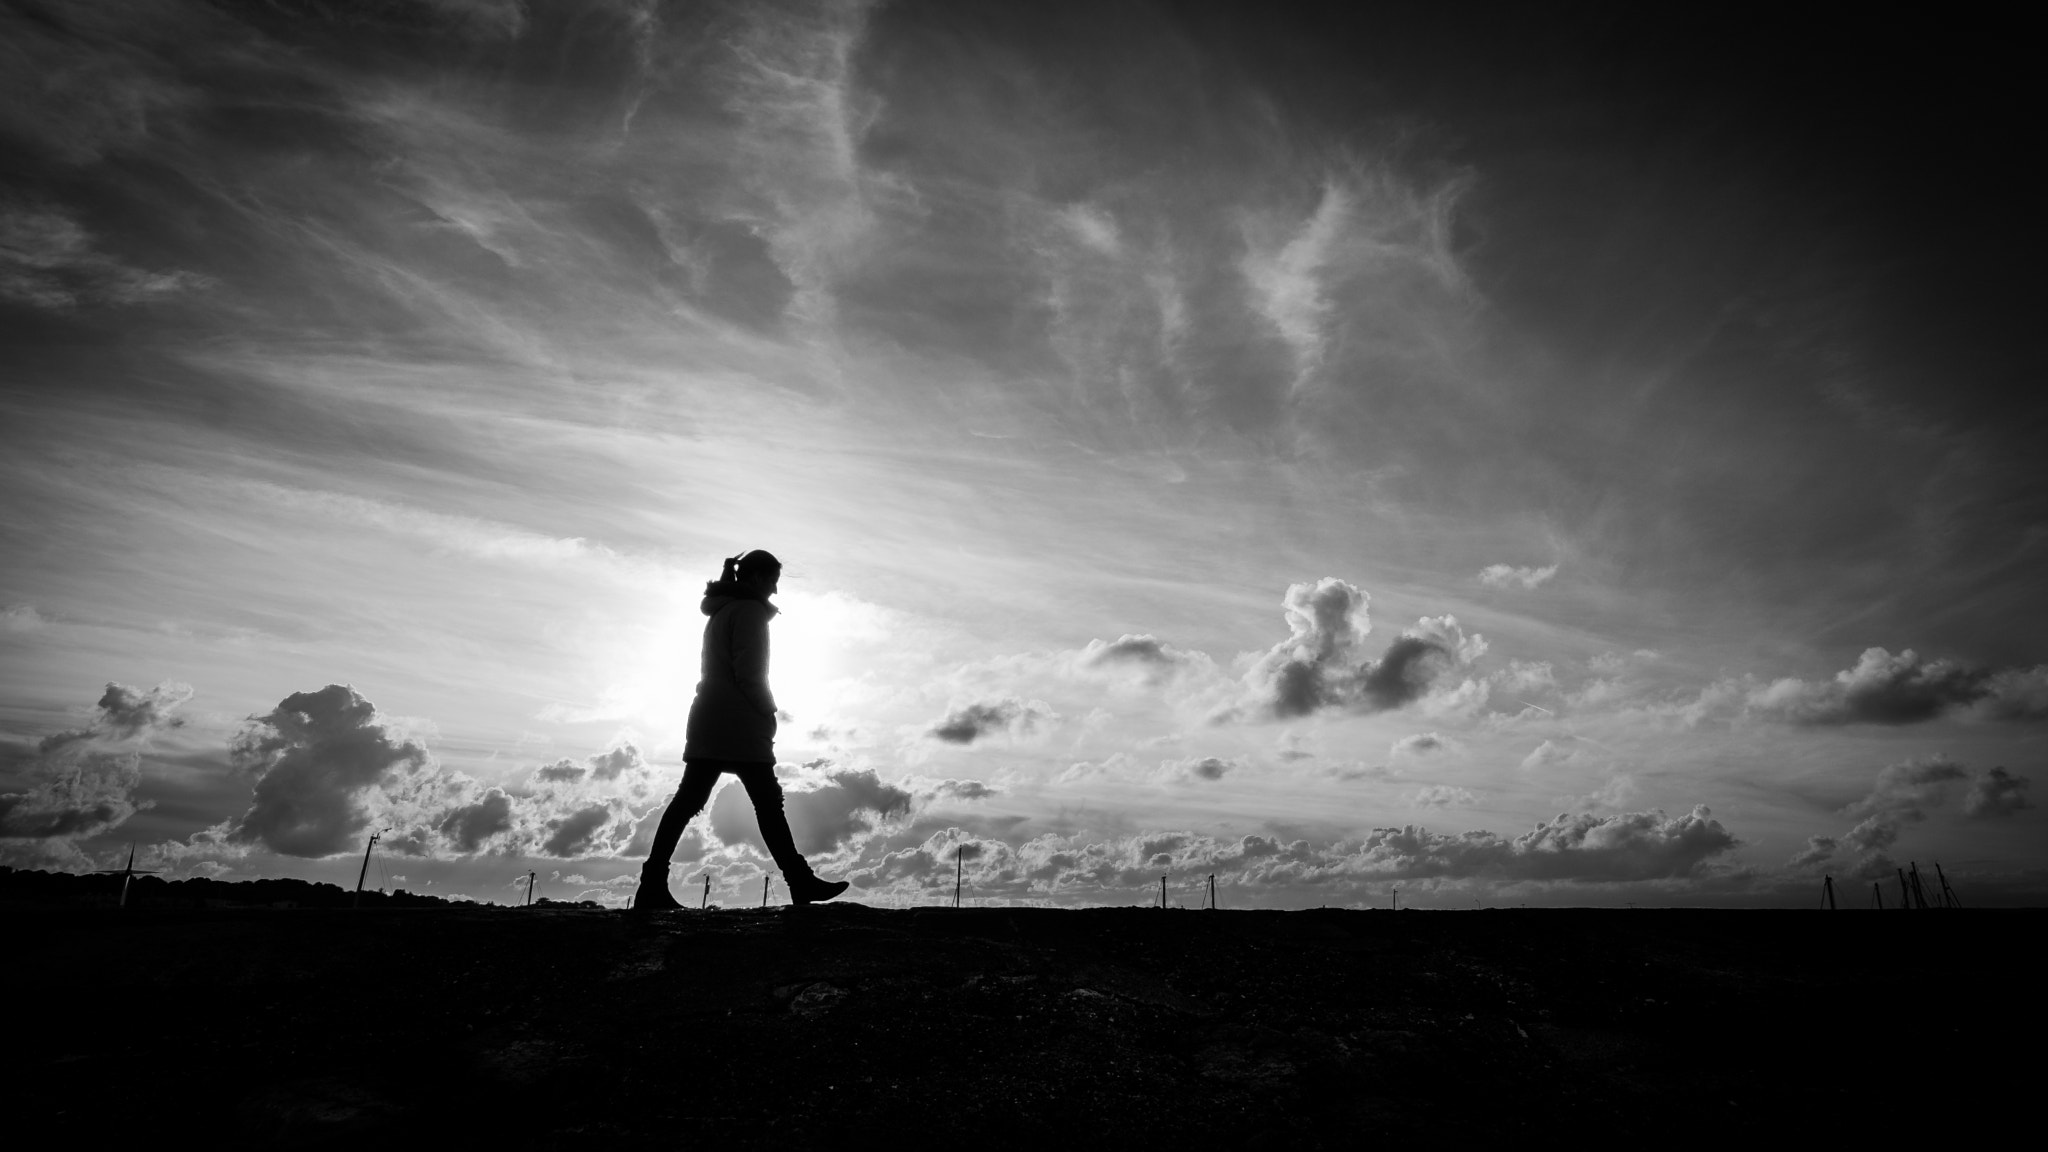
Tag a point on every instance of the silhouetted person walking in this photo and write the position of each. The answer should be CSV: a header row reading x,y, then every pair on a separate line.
x,y
732,729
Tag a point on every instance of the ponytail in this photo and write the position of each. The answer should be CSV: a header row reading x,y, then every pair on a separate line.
x,y
731,571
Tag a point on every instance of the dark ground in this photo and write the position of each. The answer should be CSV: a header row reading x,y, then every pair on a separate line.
x,y
1139,1027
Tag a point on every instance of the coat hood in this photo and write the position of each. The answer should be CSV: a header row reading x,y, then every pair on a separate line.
x,y
720,593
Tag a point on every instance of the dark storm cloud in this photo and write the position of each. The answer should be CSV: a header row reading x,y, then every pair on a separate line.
x,y
966,724
1997,794
83,781
469,826
576,833
315,758
1907,689
1402,674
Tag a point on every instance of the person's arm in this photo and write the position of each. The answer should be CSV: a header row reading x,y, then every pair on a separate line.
x,y
750,656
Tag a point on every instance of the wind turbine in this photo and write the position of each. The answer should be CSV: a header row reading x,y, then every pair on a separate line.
x,y
126,874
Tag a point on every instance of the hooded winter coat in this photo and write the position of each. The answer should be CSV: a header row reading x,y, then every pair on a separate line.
x,y
733,716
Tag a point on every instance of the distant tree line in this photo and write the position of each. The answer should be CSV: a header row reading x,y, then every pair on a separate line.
x,y
30,887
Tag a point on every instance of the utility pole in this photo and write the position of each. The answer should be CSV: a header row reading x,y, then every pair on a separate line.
x,y
1905,893
1949,899
360,876
1827,893
1919,896
958,865
764,890
529,889
1162,891
1876,896
1212,891
706,901
1397,899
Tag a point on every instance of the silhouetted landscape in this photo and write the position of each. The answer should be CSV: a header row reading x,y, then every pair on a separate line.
x,y
313,1024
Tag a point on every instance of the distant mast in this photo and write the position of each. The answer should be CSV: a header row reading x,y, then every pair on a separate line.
x,y
364,874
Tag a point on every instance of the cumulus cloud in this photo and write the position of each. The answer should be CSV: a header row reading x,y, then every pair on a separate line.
x,y
1508,576
605,767
124,713
578,833
1316,665
1153,659
79,795
469,826
1906,689
82,781
1997,793
1902,794
1548,754
326,768
971,722
315,760
1417,744
961,790
1319,665
1198,768
2017,694
1626,847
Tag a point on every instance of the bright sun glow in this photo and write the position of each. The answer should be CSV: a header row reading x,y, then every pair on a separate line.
x,y
813,660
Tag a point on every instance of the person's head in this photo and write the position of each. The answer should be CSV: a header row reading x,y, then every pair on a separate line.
x,y
758,568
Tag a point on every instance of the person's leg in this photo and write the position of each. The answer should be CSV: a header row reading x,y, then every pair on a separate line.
x,y
698,779
766,792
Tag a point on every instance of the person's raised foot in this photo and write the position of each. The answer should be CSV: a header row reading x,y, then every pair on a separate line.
x,y
653,896
815,891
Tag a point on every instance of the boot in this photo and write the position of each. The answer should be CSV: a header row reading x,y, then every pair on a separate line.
x,y
653,894
811,890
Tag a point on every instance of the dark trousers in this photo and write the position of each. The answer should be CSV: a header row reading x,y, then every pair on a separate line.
x,y
699,777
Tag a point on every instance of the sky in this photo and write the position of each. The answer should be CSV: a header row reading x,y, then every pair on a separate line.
x,y
1550,455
